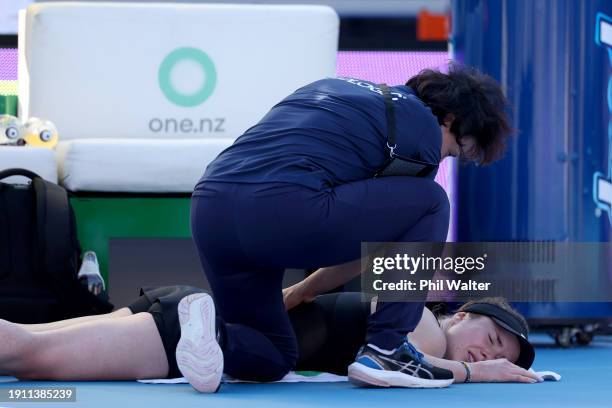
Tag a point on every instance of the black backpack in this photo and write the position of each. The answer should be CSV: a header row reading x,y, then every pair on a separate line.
x,y
40,254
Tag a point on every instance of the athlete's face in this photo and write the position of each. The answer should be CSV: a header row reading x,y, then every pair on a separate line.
x,y
450,147
471,337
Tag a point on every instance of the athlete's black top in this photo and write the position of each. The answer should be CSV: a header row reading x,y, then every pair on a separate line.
x,y
330,330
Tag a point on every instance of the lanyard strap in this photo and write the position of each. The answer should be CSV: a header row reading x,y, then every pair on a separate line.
x,y
390,113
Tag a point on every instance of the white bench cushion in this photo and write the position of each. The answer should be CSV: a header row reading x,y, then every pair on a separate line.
x,y
37,159
135,166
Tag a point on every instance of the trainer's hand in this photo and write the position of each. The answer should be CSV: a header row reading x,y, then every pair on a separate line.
x,y
501,370
294,295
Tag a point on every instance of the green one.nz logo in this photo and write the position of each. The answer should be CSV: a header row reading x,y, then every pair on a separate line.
x,y
190,55
179,90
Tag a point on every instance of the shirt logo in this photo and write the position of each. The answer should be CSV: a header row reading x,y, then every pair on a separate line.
x,y
372,87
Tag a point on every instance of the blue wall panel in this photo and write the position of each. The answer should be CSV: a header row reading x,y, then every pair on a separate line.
x,y
554,59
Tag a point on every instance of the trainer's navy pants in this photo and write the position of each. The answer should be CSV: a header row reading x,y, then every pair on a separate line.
x,y
247,234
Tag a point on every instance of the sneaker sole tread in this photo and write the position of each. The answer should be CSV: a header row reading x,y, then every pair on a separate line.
x,y
198,354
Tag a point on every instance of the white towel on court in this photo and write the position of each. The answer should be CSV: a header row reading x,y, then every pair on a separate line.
x,y
292,377
313,376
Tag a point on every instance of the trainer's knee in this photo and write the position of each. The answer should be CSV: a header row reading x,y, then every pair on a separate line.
x,y
290,361
273,373
282,366
266,369
438,198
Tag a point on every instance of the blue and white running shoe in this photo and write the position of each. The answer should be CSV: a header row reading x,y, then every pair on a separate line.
x,y
402,367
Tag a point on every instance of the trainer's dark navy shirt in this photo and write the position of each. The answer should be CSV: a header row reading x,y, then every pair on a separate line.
x,y
329,132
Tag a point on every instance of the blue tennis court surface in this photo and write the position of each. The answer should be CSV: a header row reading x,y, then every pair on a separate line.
x,y
585,383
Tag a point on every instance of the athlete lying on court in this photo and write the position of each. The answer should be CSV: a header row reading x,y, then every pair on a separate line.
x,y
482,340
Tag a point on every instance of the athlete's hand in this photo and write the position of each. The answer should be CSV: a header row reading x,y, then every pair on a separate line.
x,y
294,295
501,370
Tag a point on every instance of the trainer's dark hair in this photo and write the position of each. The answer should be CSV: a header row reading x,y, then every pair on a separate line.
x,y
477,103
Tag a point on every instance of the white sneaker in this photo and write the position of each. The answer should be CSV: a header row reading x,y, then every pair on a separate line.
x,y
198,354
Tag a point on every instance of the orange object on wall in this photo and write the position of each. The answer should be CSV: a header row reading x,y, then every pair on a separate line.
x,y
432,27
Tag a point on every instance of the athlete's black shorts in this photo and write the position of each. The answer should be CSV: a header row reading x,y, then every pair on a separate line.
x,y
162,303
329,330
